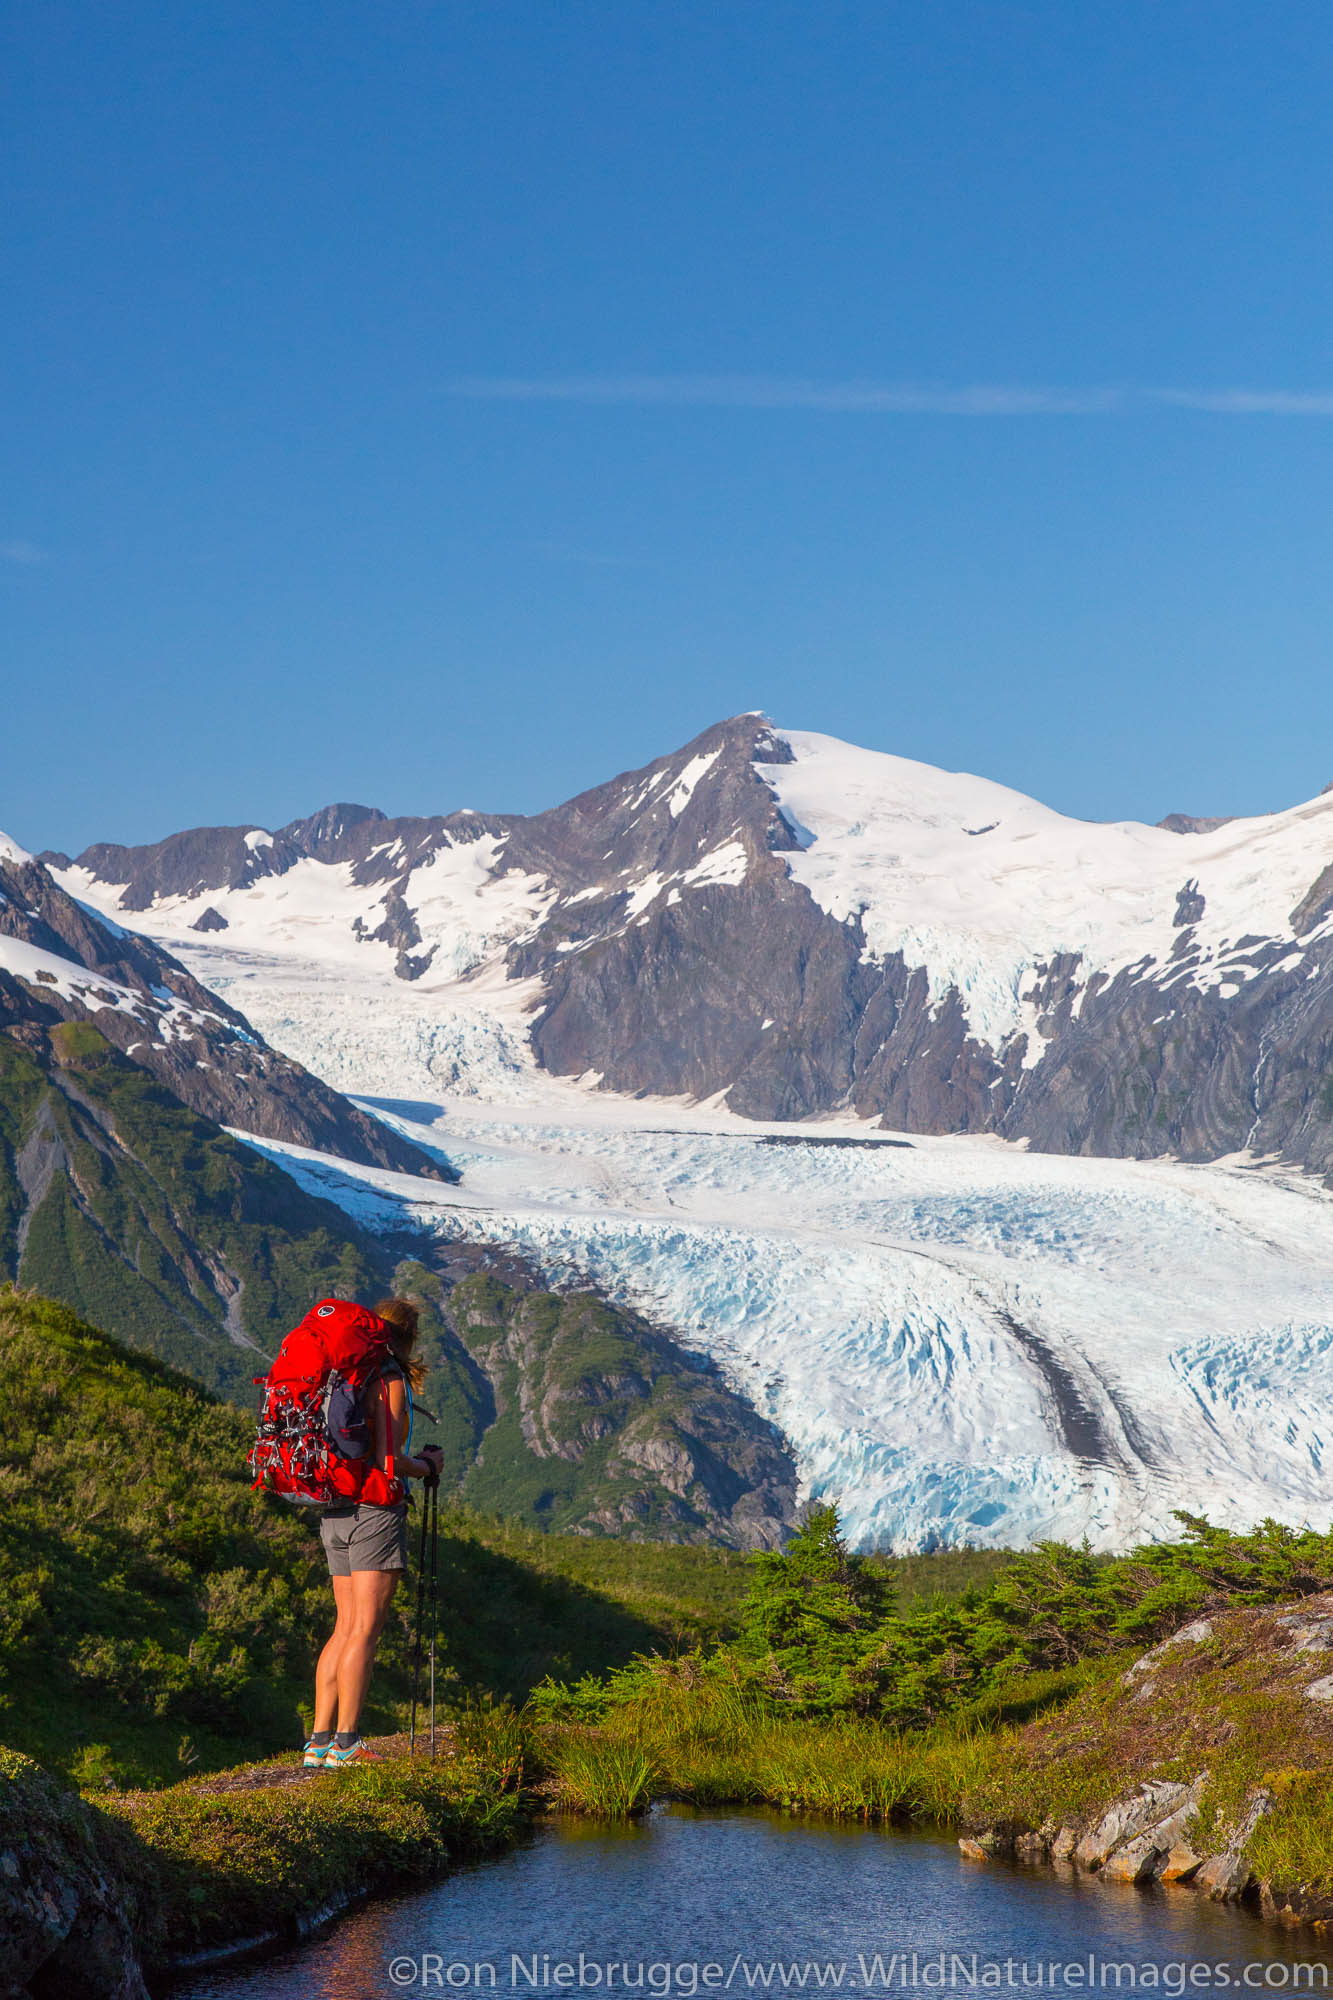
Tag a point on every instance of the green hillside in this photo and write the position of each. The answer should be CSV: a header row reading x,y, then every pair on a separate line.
x,y
153,1223
157,1615
151,1220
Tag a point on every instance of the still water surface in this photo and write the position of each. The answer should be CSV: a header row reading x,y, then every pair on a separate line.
x,y
741,1903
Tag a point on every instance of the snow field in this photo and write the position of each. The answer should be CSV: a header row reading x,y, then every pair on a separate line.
x,y
981,885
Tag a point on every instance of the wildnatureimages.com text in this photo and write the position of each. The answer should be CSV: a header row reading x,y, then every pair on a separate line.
x,y
902,1971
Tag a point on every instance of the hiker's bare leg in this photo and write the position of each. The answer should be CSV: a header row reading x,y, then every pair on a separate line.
x,y
326,1671
372,1590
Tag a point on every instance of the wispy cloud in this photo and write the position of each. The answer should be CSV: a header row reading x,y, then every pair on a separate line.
x,y
1250,402
22,552
981,399
770,392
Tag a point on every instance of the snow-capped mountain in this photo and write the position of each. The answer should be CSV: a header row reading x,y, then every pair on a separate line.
x,y
803,928
61,961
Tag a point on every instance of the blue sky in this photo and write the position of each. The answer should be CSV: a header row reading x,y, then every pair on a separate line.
x,y
442,405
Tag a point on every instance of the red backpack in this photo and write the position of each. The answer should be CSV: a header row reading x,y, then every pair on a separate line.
x,y
316,1438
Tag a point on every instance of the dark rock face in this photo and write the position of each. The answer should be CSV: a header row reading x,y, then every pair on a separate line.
x,y
1190,906
755,990
1214,1075
400,929
675,1004
150,1008
66,1922
1191,823
1314,905
226,857
233,857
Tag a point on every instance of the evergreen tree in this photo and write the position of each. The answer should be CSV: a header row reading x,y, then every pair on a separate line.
x,y
810,1617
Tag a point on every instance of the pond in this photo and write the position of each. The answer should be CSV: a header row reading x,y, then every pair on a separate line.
x,y
688,1903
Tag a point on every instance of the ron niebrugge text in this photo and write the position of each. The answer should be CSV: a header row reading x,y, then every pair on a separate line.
x,y
587,1972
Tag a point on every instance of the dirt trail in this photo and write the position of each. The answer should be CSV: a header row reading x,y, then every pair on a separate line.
x,y
289,1770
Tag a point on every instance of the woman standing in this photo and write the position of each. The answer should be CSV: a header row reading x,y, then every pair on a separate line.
x,y
366,1546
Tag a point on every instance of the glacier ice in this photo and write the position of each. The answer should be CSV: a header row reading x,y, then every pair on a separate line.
x,y
965,1343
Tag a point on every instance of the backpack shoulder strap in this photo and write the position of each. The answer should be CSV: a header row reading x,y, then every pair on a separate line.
x,y
390,1369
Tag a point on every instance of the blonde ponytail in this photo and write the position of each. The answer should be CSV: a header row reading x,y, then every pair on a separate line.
x,y
403,1319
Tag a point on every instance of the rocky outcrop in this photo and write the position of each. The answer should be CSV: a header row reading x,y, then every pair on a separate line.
x,y
210,858
1134,1836
1146,1836
227,857
1192,823
66,1921
1205,1831
1314,905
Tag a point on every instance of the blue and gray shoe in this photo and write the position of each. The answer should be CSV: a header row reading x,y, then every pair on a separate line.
x,y
359,1752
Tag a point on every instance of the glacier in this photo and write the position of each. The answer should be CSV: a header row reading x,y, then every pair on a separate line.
x,y
965,1343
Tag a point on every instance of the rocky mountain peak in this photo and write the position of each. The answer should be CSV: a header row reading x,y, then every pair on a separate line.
x,y
1191,823
335,833
668,818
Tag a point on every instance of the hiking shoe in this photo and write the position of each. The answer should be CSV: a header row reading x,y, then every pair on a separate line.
x,y
316,1755
359,1752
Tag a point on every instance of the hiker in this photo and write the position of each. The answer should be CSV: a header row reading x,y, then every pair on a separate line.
x,y
366,1546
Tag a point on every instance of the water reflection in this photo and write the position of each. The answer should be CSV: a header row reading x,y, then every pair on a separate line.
x,y
687,1904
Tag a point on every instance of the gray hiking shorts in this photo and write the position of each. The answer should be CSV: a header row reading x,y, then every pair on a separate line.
x,y
364,1537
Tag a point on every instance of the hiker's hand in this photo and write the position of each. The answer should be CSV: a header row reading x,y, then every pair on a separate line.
x,y
434,1461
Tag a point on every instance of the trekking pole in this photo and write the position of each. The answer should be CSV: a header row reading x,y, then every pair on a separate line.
x,y
434,1596
416,1643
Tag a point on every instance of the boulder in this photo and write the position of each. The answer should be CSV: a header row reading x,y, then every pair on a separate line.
x,y
1224,1878
1295,1903
65,1924
1149,1819
1179,1864
1136,1862
1188,1635
1311,1631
